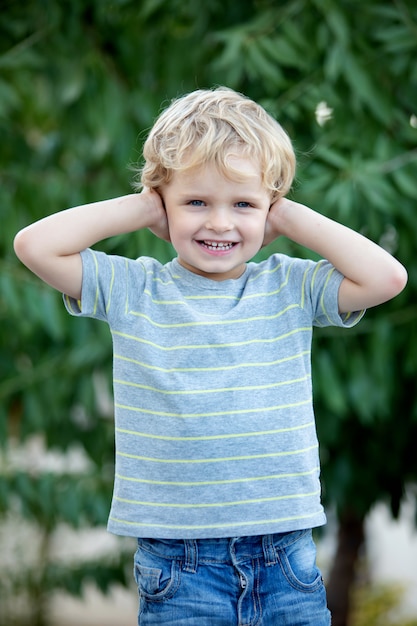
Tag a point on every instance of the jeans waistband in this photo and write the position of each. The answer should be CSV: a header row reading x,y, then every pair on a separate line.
x,y
222,550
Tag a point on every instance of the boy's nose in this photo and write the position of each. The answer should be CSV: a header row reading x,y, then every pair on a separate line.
x,y
219,220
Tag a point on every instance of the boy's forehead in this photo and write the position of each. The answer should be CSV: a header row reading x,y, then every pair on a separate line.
x,y
242,176
235,166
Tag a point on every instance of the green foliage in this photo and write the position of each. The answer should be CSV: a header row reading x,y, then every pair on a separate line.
x,y
80,83
378,606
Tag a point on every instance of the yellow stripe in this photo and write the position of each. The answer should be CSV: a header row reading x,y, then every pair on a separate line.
x,y
247,457
127,283
214,297
69,301
216,322
191,392
266,271
111,286
277,520
220,368
292,496
168,302
97,289
215,345
303,287
267,294
323,294
315,272
214,413
157,279
259,433
205,483
227,297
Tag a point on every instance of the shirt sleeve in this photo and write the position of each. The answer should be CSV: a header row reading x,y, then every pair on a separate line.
x,y
321,287
106,284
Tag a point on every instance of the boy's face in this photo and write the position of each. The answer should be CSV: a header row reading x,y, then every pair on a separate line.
x,y
217,224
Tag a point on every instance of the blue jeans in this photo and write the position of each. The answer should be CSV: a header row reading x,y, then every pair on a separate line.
x,y
245,581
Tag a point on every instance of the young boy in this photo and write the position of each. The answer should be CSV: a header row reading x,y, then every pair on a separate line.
x,y
217,468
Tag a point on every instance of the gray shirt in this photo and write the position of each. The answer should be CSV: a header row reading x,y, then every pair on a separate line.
x,y
215,431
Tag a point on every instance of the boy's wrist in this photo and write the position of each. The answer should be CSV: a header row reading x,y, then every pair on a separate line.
x,y
279,219
291,219
141,209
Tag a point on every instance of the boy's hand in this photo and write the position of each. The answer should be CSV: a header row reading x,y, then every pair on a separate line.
x,y
159,225
272,226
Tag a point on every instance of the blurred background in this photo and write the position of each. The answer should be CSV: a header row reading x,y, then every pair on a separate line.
x,y
81,82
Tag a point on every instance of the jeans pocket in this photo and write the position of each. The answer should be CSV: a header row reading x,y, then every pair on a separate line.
x,y
298,563
157,578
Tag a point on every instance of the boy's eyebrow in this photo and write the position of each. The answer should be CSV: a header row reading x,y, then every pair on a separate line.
x,y
238,195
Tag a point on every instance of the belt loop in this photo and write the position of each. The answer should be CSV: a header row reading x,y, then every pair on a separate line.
x,y
191,555
270,554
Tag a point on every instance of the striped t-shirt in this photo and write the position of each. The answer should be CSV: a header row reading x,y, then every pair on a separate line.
x,y
215,431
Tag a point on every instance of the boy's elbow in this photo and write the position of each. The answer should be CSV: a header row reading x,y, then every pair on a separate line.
x,y
27,248
398,279
394,282
22,246
387,286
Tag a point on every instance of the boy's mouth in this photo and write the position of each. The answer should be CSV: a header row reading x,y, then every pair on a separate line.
x,y
217,245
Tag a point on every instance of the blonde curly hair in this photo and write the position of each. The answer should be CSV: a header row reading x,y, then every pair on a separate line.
x,y
208,126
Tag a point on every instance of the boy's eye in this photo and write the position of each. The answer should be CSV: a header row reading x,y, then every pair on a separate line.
x,y
196,203
242,205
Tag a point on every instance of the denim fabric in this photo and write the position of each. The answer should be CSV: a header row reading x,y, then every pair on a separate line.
x,y
247,581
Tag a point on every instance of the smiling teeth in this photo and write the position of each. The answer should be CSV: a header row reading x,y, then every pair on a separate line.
x,y
218,245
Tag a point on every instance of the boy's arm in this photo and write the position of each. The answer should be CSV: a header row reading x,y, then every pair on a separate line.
x,y
50,248
372,275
